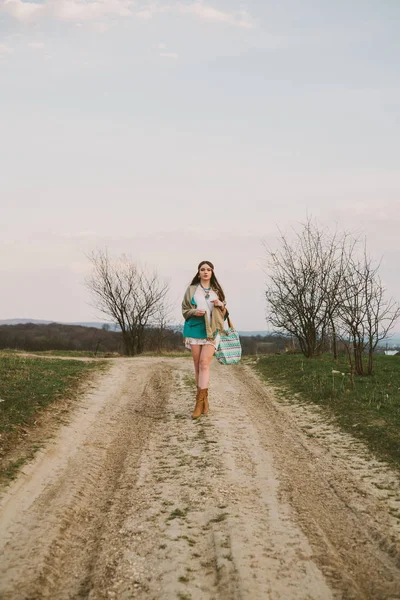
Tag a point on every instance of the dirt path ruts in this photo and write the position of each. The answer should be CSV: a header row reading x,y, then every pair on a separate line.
x,y
260,500
53,518
346,502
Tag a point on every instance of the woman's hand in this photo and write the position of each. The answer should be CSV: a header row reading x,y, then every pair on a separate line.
x,y
200,313
218,303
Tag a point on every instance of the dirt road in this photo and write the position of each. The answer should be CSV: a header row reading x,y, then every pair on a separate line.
x,y
259,500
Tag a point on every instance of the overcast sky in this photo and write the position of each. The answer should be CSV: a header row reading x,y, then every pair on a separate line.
x,y
189,130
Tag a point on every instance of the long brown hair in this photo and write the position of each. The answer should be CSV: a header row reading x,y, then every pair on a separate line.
x,y
214,281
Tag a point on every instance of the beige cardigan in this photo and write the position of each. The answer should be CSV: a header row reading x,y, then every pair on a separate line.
x,y
217,316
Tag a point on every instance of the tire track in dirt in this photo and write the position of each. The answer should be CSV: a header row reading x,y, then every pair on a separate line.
x,y
52,548
134,500
333,486
208,523
177,543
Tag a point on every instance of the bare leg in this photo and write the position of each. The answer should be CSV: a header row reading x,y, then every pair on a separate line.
x,y
196,350
207,352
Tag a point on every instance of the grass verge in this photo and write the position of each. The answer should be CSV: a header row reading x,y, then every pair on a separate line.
x,y
88,354
27,387
168,354
370,410
68,353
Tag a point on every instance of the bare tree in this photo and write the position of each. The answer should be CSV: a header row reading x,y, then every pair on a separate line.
x,y
303,278
365,316
341,247
127,295
161,324
321,287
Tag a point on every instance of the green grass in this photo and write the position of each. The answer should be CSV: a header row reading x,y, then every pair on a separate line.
x,y
370,410
84,353
87,353
189,381
74,353
11,471
168,354
219,518
178,513
28,385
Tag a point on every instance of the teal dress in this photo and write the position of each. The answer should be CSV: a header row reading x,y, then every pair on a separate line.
x,y
195,327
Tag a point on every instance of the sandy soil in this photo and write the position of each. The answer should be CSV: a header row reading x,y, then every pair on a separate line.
x,y
259,500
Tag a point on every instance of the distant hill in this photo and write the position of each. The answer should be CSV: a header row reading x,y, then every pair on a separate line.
x,y
44,336
95,324
99,325
255,333
23,321
393,340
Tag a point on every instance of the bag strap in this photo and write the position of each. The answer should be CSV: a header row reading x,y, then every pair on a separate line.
x,y
229,322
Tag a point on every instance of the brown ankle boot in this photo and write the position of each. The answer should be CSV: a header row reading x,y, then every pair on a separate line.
x,y
205,405
198,409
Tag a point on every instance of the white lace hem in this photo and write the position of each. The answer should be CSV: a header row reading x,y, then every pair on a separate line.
x,y
189,341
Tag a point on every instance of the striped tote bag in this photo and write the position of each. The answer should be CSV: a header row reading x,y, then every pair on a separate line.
x,y
229,351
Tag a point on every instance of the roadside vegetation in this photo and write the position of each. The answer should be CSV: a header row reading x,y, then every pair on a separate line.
x,y
56,336
79,340
366,406
325,292
64,353
27,387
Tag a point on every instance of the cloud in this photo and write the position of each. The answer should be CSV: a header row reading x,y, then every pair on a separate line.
x,y
76,235
21,10
165,53
208,13
38,45
100,26
201,11
100,10
92,10
146,13
5,50
69,10
173,55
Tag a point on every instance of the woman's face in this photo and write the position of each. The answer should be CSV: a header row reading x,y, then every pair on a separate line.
x,y
205,272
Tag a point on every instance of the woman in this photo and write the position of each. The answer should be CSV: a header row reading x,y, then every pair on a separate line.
x,y
204,311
